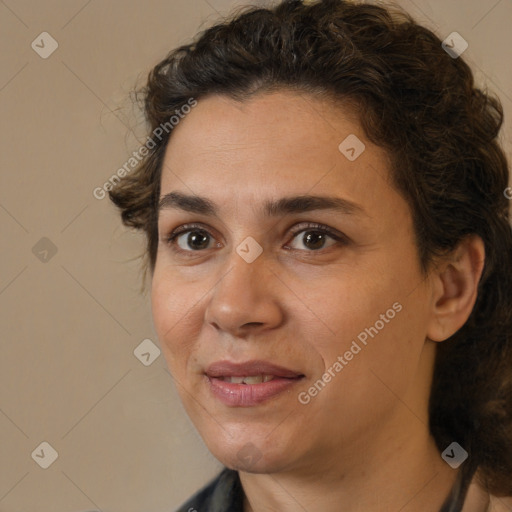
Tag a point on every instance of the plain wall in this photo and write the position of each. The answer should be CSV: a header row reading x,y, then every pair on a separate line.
x,y
70,321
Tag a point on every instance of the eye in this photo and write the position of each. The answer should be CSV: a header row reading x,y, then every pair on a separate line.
x,y
314,237
196,239
191,238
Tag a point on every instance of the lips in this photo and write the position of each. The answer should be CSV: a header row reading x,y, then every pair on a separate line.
x,y
249,368
249,384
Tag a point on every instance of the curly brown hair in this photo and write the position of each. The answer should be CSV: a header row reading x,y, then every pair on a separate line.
x,y
440,131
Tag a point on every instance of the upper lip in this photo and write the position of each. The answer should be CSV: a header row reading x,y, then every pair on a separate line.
x,y
249,368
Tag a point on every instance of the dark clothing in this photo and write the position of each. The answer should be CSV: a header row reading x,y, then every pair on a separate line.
x,y
223,494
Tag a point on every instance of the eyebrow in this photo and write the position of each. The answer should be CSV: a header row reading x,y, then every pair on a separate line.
x,y
271,208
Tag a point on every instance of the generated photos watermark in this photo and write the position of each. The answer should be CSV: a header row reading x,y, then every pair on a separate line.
x,y
305,397
137,156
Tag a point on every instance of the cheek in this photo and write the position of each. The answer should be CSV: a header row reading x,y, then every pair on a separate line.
x,y
173,313
164,310
387,364
377,326
373,375
341,307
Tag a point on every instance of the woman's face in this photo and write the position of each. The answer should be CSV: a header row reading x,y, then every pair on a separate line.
x,y
325,299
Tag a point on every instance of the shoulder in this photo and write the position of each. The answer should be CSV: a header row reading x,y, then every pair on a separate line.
x,y
478,499
223,494
500,504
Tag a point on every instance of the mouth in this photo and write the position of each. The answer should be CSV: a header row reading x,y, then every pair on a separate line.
x,y
251,383
251,379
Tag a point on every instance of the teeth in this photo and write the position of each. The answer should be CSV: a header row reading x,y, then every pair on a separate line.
x,y
258,379
252,379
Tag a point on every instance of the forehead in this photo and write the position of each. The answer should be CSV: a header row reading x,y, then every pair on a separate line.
x,y
276,122
273,145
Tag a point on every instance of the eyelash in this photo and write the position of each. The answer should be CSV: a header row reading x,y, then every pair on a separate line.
x,y
313,227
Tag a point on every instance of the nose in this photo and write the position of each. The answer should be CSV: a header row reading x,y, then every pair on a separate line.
x,y
246,299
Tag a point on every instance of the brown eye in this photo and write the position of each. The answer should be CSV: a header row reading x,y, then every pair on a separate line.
x,y
314,238
194,239
191,238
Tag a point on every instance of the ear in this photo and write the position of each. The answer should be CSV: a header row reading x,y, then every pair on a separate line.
x,y
455,286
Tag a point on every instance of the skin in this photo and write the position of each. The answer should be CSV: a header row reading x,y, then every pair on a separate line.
x,y
362,443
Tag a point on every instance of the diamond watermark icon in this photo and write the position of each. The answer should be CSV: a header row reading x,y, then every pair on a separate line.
x,y
44,250
146,352
44,45
249,454
454,455
455,45
249,249
351,147
45,455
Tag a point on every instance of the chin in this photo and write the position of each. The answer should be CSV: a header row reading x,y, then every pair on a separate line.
x,y
250,455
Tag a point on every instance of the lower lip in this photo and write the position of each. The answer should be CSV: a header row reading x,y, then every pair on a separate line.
x,y
248,395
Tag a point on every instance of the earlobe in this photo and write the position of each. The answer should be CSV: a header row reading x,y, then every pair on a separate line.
x,y
455,288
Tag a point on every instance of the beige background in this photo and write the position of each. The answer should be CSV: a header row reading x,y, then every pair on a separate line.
x,y
70,325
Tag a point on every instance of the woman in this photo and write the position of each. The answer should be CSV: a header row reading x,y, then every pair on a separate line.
x,y
328,238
